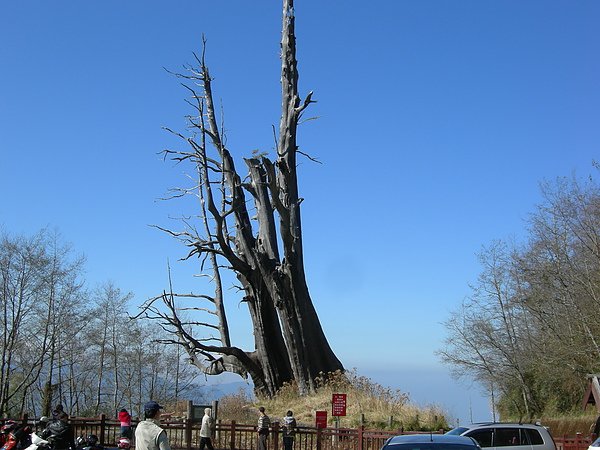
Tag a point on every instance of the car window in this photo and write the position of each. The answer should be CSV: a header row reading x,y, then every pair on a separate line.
x,y
534,436
484,437
505,437
457,431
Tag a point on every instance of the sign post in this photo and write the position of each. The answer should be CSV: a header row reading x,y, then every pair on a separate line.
x,y
338,405
338,408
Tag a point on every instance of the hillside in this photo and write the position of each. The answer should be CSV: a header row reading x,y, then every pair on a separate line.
x,y
374,405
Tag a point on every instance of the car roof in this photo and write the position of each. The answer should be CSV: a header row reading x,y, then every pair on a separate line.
x,y
430,437
500,424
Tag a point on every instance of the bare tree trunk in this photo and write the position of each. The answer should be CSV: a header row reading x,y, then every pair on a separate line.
x,y
115,364
100,368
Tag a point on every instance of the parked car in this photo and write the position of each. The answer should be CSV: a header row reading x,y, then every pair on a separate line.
x,y
430,442
507,436
595,445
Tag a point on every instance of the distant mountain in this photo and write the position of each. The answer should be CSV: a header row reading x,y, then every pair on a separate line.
x,y
209,392
223,389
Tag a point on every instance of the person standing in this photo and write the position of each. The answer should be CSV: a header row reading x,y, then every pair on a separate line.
x,y
206,430
149,435
58,410
263,428
125,420
289,430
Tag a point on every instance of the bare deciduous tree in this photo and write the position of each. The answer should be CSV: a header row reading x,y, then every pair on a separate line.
x,y
54,334
267,259
529,328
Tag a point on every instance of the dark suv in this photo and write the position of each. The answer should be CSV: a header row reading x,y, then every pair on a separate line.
x,y
430,442
507,436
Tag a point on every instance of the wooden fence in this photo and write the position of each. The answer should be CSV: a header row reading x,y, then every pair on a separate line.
x,y
185,435
577,442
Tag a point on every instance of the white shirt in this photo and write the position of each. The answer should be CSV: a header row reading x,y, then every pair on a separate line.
x,y
150,436
205,429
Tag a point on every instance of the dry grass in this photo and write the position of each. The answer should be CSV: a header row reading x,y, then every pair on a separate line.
x,y
570,425
381,407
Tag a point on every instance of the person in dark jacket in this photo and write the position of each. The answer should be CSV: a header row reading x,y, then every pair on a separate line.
x,y
59,433
289,430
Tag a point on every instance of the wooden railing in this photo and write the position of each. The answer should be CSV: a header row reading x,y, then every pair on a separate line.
x,y
185,435
577,442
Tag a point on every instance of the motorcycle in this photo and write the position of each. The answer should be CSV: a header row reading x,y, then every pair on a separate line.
x,y
5,431
37,443
18,438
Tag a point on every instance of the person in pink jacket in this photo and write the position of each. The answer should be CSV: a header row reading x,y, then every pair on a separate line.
x,y
125,419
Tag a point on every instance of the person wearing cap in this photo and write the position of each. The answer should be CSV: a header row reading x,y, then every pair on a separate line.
x,y
149,435
206,430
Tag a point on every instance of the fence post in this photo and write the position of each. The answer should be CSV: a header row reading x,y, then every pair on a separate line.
x,y
188,432
361,430
215,409
232,436
319,433
102,428
188,425
275,435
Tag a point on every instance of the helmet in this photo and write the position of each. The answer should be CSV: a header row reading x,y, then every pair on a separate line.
x,y
79,441
91,440
124,443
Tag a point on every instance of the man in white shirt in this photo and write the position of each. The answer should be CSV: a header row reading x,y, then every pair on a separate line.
x,y
206,430
148,434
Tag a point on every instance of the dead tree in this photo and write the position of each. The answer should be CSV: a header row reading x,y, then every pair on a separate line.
x,y
267,260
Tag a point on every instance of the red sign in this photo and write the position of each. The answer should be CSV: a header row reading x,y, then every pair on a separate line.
x,y
338,405
321,419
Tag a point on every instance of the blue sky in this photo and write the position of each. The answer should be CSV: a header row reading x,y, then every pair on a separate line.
x,y
437,122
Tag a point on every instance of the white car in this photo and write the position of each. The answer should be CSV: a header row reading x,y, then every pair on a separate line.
x,y
508,436
595,445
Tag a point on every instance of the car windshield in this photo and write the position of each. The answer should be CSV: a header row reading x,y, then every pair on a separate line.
x,y
432,446
457,431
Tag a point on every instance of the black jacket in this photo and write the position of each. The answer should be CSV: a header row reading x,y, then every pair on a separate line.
x,y
59,434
